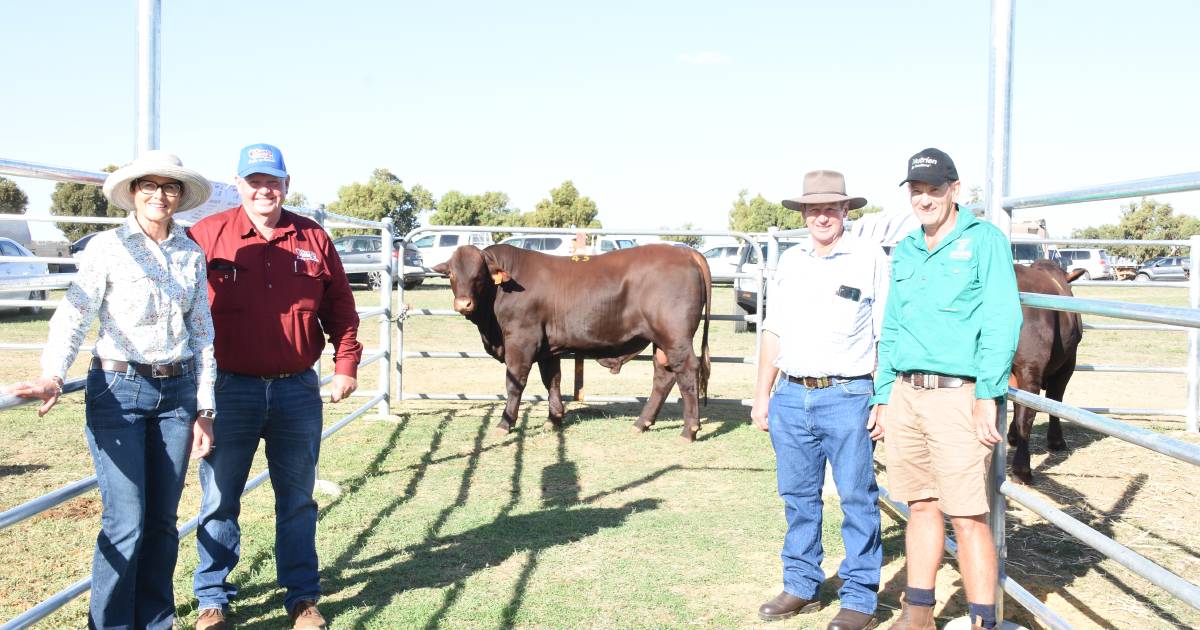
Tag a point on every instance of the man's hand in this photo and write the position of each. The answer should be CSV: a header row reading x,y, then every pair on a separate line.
x,y
984,414
46,389
876,420
202,438
758,413
341,386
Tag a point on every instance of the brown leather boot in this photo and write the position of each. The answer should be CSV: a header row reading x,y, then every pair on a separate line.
x,y
914,618
786,605
212,619
305,616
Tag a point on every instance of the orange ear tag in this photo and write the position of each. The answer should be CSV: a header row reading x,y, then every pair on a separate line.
x,y
500,277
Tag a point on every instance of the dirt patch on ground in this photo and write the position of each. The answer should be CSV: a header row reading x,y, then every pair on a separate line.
x,y
77,508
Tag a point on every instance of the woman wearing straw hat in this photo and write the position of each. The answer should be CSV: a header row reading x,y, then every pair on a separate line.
x,y
150,382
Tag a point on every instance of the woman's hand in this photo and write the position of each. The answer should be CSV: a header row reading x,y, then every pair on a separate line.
x,y
202,438
47,389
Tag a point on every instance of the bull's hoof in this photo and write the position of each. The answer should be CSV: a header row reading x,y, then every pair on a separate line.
x,y
1056,445
687,438
638,428
1023,477
503,428
552,425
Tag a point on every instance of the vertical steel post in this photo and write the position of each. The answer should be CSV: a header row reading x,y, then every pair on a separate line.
x,y
766,270
397,358
1193,359
148,75
394,272
1000,71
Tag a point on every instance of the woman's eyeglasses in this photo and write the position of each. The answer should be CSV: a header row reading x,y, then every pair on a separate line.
x,y
148,187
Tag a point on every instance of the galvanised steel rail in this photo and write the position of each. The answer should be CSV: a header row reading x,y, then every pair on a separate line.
x,y
1152,440
1182,182
1188,317
1130,559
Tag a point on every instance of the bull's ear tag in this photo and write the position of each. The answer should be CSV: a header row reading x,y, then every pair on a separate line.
x,y
500,277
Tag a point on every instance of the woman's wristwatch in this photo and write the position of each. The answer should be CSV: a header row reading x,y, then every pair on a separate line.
x,y
207,414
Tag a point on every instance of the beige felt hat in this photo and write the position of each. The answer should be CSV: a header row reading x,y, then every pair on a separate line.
x,y
196,189
823,187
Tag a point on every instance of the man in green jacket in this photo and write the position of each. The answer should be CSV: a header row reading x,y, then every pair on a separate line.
x,y
950,330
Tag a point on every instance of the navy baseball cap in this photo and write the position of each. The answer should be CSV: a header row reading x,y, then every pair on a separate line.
x,y
931,166
261,158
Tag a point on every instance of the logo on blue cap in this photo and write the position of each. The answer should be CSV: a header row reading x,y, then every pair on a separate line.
x,y
261,158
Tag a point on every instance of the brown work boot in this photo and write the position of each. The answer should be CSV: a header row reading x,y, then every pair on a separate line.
x,y
305,616
212,619
847,619
914,618
786,605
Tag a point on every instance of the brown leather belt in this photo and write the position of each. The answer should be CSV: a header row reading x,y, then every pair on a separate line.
x,y
821,382
922,380
148,370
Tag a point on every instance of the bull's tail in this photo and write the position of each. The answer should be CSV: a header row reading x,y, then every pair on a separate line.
x,y
705,356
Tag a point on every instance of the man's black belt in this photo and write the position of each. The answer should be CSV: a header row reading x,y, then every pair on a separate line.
x,y
924,380
821,382
148,370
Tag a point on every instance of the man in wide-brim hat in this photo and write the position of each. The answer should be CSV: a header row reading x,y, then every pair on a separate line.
x,y
826,299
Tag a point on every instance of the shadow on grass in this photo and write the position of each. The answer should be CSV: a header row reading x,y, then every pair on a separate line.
x,y
20,469
446,562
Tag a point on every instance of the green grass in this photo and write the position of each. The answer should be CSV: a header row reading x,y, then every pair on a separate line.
x,y
443,523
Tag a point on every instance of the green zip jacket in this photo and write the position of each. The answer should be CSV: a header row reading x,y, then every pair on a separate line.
x,y
952,311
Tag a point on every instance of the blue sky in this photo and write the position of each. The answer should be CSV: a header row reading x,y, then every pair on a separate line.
x,y
659,111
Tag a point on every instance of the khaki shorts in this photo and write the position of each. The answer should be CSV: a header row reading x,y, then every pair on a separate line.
x,y
933,451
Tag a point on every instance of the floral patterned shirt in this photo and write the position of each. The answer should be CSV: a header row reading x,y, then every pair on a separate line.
x,y
152,301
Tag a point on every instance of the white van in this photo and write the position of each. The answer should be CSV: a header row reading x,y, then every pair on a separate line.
x,y
564,244
1094,262
437,247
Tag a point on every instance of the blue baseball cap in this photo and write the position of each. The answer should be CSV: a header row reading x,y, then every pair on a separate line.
x,y
261,158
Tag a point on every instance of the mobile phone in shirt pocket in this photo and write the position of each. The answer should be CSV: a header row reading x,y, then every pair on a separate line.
x,y
222,271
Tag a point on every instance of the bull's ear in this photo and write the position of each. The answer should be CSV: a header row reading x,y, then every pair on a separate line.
x,y
1075,275
442,268
499,276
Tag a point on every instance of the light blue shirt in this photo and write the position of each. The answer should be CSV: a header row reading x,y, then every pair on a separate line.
x,y
820,332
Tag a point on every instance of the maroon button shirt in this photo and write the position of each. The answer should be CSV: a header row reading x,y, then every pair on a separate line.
x,y
271,299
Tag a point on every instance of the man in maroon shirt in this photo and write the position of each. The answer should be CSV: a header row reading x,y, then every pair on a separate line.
x,y
277,287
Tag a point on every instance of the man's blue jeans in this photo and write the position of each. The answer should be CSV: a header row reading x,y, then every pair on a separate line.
x,y
809,427
286,413
139,431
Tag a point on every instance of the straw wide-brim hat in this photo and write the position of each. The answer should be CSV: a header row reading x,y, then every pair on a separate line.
x,y
196,189
823,187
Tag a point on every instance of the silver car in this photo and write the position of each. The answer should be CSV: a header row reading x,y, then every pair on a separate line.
x,y
367,248
20,273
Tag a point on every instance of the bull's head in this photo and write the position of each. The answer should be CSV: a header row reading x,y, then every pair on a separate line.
x,y
473,277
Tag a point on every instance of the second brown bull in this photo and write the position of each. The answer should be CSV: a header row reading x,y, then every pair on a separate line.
x,y
531,307
1045,358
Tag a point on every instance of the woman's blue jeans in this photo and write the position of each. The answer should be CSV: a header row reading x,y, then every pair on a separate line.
x,y
286,414
139,431
809,427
